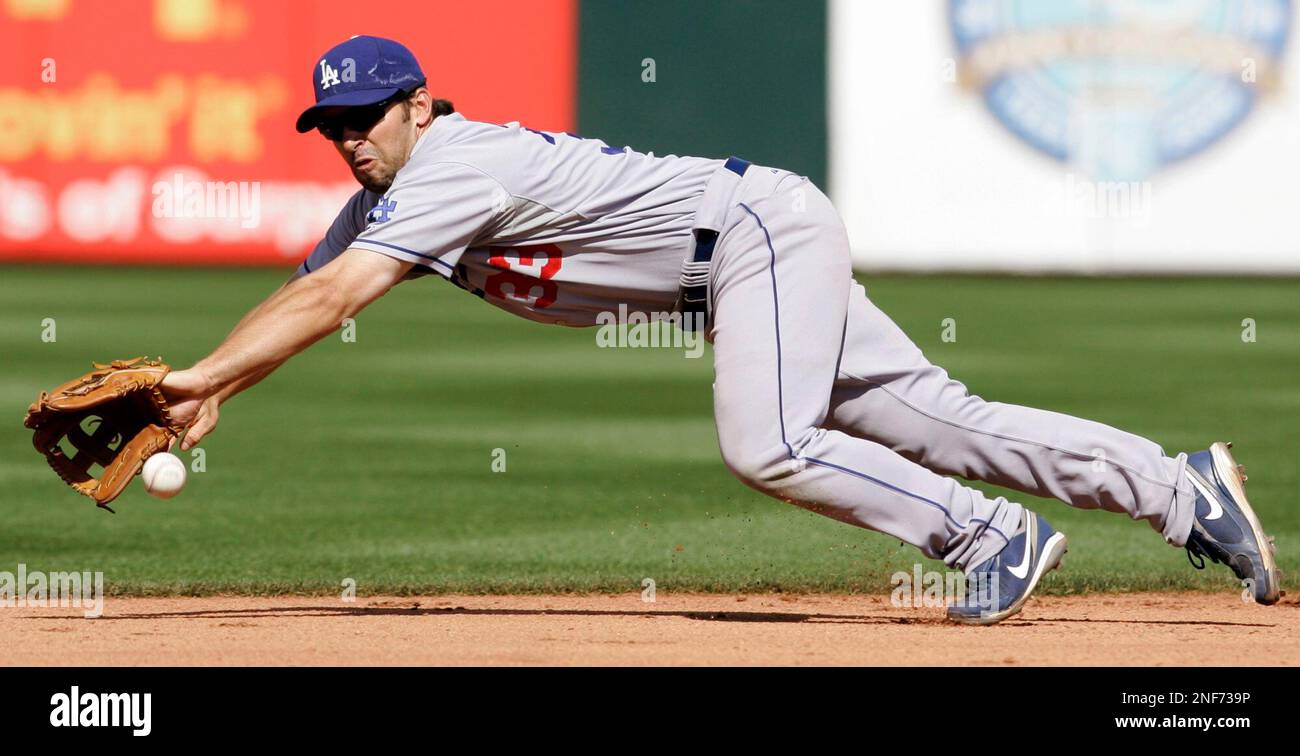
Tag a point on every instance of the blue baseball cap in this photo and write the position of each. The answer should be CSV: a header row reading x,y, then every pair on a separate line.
x,y
360,71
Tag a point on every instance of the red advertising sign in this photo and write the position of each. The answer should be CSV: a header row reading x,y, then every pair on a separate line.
x,y
163,130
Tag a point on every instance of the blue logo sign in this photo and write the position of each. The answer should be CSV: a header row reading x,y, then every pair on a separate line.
x,y
380,212
1120,88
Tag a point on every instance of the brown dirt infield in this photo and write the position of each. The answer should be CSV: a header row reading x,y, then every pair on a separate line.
x,y
681,629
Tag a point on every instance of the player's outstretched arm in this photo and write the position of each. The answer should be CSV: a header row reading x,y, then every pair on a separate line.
x,y
290,320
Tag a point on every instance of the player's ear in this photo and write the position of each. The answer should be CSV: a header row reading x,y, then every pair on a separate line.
x,y
422,107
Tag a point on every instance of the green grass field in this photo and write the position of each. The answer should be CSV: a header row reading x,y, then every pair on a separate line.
x,y
373,460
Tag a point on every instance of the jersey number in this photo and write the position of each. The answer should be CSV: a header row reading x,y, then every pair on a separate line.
x,y
524,278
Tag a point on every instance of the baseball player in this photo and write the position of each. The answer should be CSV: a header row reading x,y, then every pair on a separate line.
x,y
820,400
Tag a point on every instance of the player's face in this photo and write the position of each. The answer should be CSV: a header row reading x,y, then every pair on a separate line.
x,y
376,141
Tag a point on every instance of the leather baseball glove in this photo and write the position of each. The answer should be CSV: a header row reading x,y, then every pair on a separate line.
x,y
114,416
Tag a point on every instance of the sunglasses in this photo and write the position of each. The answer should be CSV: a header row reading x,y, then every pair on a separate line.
x,y
361,118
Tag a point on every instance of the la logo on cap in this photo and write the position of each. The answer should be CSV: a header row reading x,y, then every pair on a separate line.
x,y
329,75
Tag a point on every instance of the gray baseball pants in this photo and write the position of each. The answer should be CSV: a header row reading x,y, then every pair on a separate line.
x,y
822,401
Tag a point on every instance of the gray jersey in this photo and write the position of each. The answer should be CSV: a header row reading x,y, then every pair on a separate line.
x,y
549,226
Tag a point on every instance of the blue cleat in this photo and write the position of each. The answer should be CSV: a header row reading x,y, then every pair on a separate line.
x,y
1000,587
1225,528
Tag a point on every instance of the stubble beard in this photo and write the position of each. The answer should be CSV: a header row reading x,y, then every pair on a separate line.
x,y
377,185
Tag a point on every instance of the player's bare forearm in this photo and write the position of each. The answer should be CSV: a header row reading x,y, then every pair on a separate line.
x,y
290,320
248,381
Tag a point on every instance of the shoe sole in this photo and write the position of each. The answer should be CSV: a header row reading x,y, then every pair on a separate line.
x,y
1053,551
1229,473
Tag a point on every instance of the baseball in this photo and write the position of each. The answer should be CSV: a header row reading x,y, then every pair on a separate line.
x,y
163,475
